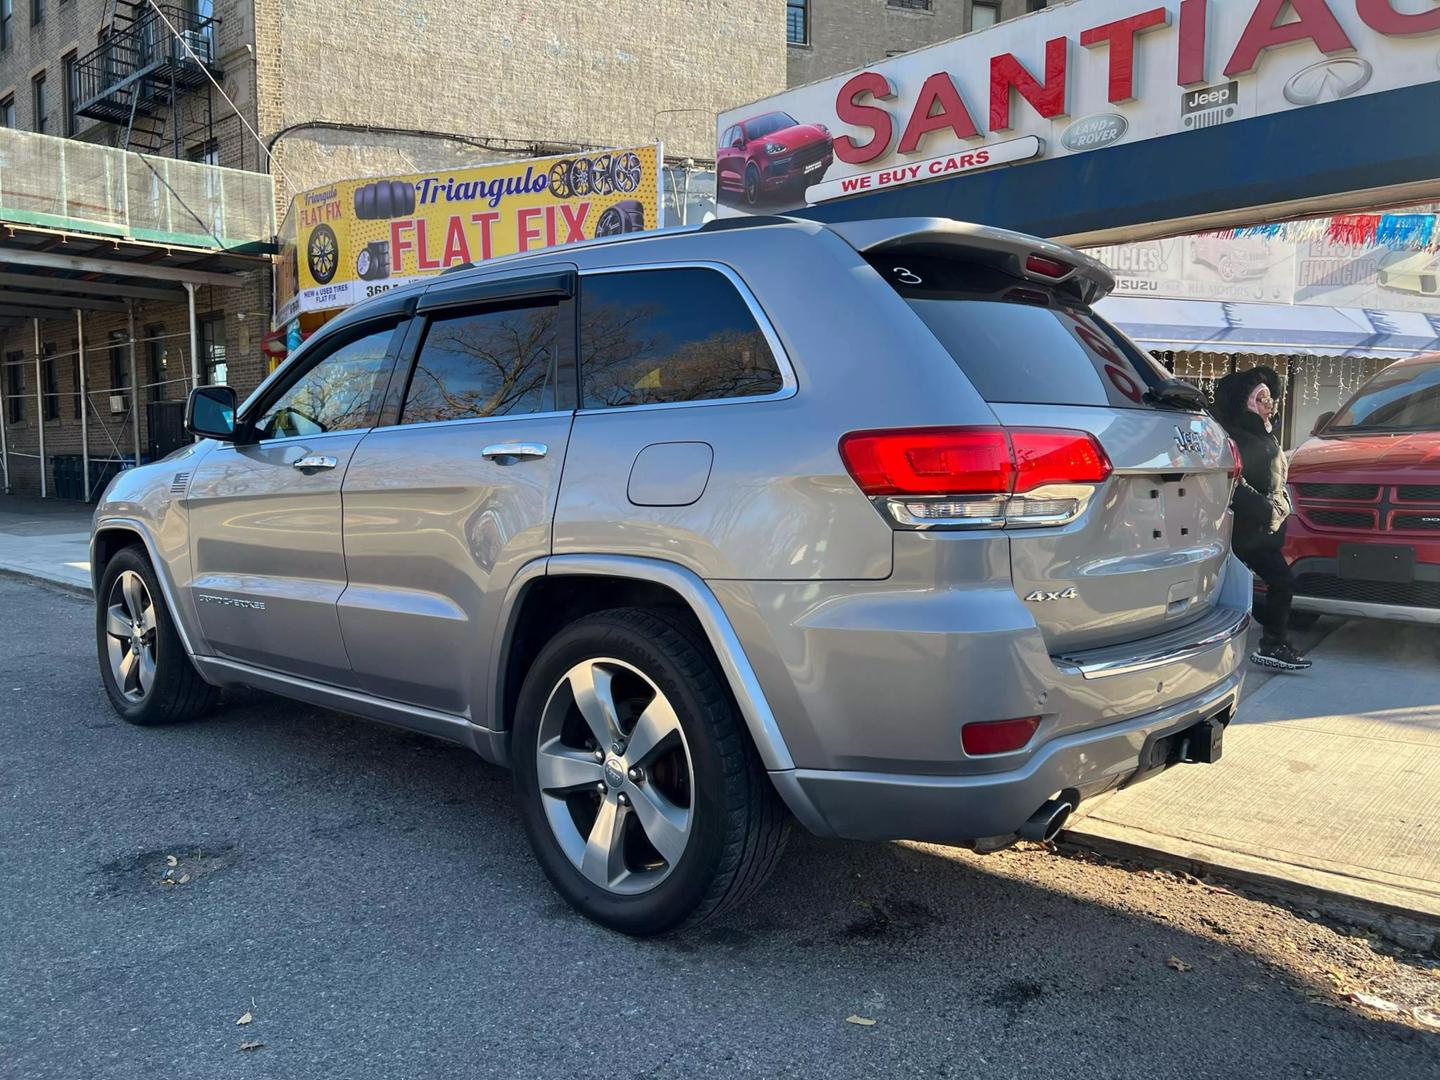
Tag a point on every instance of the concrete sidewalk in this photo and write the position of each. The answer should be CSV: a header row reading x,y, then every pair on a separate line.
x,y
47,539
1330,782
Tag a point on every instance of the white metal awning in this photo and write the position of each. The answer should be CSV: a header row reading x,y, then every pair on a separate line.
x,y
1272,329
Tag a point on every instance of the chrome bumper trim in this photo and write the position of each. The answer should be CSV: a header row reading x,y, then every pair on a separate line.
x,y
1102,663
1361,609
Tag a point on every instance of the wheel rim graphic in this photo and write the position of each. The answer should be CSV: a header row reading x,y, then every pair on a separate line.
x,y
322,253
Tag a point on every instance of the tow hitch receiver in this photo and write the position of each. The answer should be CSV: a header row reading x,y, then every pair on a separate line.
x,y
1202,743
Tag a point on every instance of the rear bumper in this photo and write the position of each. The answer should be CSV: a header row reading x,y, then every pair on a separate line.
x,y
953,809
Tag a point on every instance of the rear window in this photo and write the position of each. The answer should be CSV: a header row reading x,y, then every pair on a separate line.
x,y
1019,342
1400,398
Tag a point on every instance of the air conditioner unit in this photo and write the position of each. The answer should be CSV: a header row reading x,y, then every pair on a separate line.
x,y
117,403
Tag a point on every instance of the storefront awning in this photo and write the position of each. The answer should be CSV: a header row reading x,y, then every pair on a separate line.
x,y
1272,329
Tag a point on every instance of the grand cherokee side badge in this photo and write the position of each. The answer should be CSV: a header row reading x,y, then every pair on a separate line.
x,y
1040,596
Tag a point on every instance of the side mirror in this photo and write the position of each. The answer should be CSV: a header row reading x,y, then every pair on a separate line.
x,y
1321,420
210,412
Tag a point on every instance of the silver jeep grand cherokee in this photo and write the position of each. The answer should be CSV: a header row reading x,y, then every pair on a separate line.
x,y
874,525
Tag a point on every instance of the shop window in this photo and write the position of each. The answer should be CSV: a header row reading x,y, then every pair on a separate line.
x,y
652,337
15,387
797,22
38,120
983,15
499,362
49,383
119,361
157,363
213,367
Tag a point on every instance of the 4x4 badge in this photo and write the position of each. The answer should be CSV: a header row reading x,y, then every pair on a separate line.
x,y
1039,596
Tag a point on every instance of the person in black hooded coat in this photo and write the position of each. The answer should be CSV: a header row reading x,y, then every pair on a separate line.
x,y
1245,405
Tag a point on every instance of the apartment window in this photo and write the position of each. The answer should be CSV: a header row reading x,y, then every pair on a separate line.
x,y
119,361
911,5
49,383
7,112
7,10
214,369
68,120
206,153
1034,5
37,12
797,22
983,15
15,386
157,363
37,102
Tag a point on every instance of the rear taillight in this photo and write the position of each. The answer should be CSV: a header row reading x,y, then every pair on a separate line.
x,y
1235,465
976,477
997,736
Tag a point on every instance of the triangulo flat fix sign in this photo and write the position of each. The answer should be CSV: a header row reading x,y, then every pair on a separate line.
x,y
1072,79
345,242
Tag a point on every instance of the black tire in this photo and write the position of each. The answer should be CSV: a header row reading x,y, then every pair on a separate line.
x,y
752,185
177,693
323,254
628,215
740,824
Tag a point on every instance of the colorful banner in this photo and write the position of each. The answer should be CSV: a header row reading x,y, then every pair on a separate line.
x,y
1069,79
349,241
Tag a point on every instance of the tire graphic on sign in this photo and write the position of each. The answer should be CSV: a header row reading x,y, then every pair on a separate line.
x,y
322,252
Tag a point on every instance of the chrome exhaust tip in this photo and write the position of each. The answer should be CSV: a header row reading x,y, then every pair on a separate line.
x,y
1046,822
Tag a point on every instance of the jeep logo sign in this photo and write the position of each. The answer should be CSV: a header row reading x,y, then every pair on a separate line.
x,y
1094,132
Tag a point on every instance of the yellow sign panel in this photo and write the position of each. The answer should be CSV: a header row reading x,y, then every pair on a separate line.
x,y
349,241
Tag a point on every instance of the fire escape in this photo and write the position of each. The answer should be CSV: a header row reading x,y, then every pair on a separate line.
x,y
150,81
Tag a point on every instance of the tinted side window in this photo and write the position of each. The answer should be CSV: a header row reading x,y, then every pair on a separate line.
x,y
341,391
659,336
492,362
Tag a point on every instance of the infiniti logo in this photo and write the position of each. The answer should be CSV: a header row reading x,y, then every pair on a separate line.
x,y
1328,80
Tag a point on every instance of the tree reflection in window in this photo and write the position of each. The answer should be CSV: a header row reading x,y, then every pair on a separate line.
x,y
340,393
659,336
484,363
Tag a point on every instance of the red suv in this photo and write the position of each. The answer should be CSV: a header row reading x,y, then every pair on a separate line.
x,y
770,153
1365,537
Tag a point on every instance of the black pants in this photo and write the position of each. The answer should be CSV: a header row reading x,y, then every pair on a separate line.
x,y
1269,566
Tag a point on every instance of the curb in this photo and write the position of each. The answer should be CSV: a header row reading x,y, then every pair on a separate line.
x,y
30,577
1409,927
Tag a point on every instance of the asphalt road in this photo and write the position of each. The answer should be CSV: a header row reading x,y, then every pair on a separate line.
x,y
368,898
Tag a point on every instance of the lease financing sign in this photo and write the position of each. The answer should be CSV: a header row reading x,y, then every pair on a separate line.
x,y
1071,79
346,242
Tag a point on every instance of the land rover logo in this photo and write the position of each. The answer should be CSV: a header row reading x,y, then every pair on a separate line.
x,y
1328,80
1094,132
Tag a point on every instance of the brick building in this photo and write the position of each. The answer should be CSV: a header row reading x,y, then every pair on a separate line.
x,y
132,231
826,37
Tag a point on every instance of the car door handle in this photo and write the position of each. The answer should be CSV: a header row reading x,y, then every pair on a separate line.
x,y
313,461
515,450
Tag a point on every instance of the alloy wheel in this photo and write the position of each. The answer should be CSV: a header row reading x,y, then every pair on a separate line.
x,y
615,776
130,636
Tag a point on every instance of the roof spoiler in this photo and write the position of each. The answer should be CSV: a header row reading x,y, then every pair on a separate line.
x,y
1029,257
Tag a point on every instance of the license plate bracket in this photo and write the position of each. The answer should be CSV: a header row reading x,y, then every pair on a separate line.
x,y
1376,562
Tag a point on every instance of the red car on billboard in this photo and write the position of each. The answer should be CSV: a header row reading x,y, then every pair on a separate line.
x,y
771,154
1365,536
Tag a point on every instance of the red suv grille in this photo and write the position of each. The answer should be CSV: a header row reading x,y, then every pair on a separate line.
x,y
1341,519
1418,492
1420,522
1358,492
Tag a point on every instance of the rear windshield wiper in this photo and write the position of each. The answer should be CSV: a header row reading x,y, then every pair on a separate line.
x,y
1177,394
